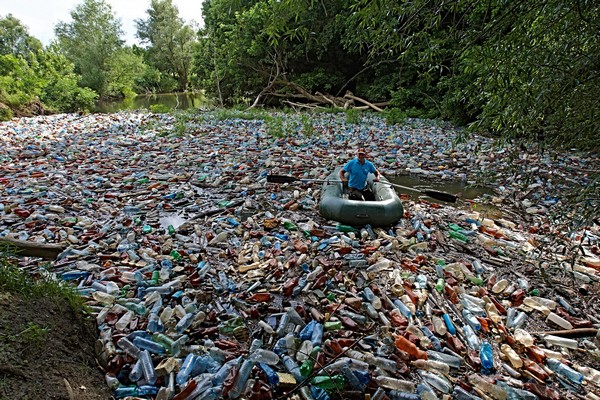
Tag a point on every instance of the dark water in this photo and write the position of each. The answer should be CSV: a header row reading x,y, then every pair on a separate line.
x,y
460,188
179,101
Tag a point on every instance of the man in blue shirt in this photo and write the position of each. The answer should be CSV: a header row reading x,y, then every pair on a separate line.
x,y
358,170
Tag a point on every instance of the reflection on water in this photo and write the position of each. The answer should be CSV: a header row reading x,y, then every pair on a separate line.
x,y
453,187
179,101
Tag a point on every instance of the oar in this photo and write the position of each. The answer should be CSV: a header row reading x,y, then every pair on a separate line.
x,y
434,194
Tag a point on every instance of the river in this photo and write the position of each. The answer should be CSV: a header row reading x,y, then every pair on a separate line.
x,y
179,101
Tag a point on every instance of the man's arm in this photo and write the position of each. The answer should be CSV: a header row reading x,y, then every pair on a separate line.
x,y
343,175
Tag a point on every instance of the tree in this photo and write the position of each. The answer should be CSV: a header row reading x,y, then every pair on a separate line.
x,y
90,41
15,39
170,40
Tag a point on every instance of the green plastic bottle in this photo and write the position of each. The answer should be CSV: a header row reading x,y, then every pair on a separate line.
x,y
332,325
289,225
345,228
329,382
459,236
439,285
171,230
146,229
176,256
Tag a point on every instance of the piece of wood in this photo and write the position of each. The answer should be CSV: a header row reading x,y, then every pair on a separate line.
x,y
33,249
571,333
349,95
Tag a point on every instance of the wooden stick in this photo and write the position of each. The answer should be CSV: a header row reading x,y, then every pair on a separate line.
x,y
33,249
578,332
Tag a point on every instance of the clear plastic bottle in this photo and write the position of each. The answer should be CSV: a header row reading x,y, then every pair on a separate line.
x,y
394,384
147,367
564,370
241,379
512,356
129,347
186,369
264,356
437,381
452,361
292,367
432,365
561,342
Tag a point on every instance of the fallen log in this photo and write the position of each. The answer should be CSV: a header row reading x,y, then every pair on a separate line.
x,y
33,249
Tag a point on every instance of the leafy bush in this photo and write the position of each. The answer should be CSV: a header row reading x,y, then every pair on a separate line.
x,y
394,116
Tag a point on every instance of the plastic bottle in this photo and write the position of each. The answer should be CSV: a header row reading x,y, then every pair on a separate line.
x,y
452,361
146,344
186,369
487,357
558,320
487,387
511,355
471,319
404,310
264,356
125,391
561,342
329,382
437,381
129,347
564,370
241,379
471,337
432,365
352,380
147,367
409,347
461,394
394,384
292,367
317,336
220,376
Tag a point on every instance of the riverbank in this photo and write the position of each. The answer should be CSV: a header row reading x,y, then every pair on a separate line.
x,y
106,185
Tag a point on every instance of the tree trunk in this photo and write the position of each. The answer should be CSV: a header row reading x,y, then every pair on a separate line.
x,y
33,249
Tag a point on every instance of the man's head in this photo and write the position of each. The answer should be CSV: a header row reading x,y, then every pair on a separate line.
x,y
361,153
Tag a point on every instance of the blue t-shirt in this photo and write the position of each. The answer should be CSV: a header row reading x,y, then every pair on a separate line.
x,y
358,173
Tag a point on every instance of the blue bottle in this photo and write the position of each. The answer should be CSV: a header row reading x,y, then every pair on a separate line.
x,y
487,358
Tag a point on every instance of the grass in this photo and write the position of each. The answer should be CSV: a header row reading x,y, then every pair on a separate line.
x,y
31,335
14,280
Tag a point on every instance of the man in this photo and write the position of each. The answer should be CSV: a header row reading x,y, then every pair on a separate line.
x,y
358,170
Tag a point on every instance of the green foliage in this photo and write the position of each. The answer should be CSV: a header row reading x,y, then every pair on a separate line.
x,y
60,89
171,42
123,72
91,41
32,334
394,116
18,83
308,128
14,280
15,39
274,126
352,116
527,71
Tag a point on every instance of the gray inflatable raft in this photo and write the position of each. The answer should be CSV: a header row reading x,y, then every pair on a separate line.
x,y
385,210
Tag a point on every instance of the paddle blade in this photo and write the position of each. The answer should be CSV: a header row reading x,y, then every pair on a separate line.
x,y
281,179
450,198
